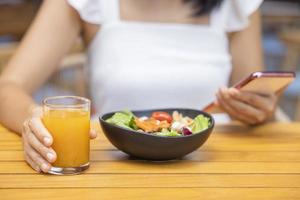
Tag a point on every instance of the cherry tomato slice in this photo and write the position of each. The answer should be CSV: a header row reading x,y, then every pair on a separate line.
x,y
162,116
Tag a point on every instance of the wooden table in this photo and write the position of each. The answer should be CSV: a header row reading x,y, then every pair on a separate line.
x,y
235,163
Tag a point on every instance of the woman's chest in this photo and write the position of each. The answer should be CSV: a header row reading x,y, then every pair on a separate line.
x,y
153,63
139,43
134,55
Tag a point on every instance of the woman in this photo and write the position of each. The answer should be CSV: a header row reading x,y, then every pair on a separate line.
x,y
142,54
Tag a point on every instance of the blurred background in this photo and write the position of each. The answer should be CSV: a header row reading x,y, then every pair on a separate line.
x,y
281,41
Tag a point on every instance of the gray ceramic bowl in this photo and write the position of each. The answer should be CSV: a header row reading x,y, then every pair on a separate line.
x,y
152,147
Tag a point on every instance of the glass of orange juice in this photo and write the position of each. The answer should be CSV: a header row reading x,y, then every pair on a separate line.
x,y
67,118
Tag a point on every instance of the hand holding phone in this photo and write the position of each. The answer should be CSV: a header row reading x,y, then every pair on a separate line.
x,y
260,82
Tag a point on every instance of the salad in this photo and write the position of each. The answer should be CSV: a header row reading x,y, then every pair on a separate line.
x,y
161,123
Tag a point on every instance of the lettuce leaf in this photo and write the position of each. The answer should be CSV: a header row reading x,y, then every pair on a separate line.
x,y
200,123
166,133
124,119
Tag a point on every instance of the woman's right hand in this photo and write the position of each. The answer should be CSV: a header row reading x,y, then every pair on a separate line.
x,y
37,143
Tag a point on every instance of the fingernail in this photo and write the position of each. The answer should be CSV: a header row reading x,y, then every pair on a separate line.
x,y
50,156
45,167
47,141
37,168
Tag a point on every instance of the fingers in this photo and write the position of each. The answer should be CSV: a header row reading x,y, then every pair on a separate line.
x,y
247,107
32,164
93,134
37,126
263,102
36,161
233,108
47,153
36,153
37,143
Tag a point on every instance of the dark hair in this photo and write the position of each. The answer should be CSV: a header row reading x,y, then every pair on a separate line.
x,y
203,7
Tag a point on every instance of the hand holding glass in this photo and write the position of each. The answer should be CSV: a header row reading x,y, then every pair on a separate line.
x,y
67,118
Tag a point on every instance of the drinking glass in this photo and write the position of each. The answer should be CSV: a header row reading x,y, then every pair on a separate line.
x,y
67,118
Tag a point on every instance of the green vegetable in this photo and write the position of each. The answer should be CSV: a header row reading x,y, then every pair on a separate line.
x,y
166,133
200,123
124,119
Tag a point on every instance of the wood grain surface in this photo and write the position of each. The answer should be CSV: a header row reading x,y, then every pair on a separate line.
x,y
235,163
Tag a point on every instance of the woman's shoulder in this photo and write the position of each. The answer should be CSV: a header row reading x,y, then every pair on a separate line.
x,y
233,15
89,10
236,13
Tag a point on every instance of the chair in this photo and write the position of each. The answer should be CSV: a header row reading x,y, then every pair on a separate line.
x,y
15,18
75,61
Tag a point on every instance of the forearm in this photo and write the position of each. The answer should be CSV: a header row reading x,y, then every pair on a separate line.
x,y
15,106
246,50
52,34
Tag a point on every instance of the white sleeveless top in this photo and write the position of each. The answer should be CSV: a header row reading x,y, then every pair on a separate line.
x,y
144,65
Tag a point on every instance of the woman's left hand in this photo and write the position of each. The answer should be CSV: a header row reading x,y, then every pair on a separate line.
x,y
248,107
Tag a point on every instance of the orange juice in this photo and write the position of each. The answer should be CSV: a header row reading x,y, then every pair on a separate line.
x,y
70,131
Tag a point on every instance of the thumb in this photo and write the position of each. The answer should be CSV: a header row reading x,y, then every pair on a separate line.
x,y
93,133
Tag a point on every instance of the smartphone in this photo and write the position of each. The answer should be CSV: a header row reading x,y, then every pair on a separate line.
x,y
261,82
